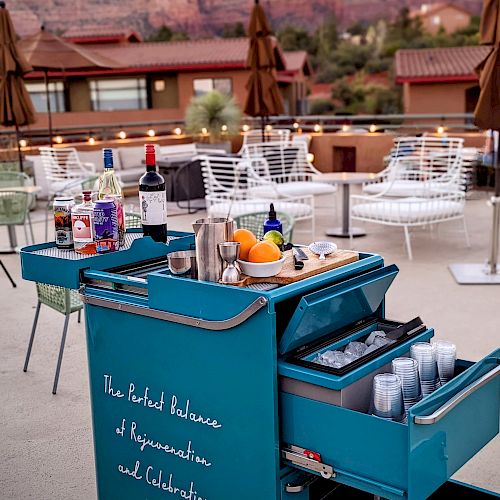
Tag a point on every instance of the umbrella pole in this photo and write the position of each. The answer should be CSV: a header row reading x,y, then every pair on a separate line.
x,y
46,78
262,128
20,154
495,201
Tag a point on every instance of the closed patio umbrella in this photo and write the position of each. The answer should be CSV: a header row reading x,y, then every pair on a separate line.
x,y
264,98
16,108
47,52
487,116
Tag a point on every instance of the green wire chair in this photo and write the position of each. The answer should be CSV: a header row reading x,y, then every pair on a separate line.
x,y
20,214
255,222
65,301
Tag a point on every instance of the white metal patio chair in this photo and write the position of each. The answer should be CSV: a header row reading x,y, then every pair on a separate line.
x,y
274,135
226,182
64,173
418,164
430,207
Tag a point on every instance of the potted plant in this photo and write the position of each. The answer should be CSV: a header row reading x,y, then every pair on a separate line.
x,y
213,117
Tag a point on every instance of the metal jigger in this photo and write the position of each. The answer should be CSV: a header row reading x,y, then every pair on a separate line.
x,y
230,252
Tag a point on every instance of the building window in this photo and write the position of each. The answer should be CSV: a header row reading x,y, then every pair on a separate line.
x,y
203,85
112,94
39,97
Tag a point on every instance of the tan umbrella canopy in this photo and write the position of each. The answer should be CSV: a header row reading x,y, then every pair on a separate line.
x,y
264,98
47,52
487,113
16,108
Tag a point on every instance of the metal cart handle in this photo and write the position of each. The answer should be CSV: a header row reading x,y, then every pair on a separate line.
x,y
449,405
207,324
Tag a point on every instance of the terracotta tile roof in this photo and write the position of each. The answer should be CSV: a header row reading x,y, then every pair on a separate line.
x,y
100,32
443,64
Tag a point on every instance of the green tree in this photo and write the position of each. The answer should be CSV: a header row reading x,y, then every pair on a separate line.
x,y
236,30
165,34
294,38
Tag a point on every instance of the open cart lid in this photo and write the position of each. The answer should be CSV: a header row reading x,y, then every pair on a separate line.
x,y
336,307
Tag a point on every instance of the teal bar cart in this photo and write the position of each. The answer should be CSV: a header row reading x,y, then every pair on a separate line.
x,y
205,391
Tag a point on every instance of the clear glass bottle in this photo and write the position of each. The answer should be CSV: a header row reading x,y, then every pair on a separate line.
x,y
109,186
82,221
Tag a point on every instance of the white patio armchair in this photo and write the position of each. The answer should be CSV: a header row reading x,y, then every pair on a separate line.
x,y
274,135
418,164
64,173
226,181
431,207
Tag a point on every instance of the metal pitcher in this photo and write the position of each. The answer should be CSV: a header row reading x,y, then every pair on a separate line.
x,y
208,234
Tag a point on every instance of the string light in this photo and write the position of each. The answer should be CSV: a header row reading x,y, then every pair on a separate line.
x,y
177,131
151,132
245,128
440,130
224,128
91,140
58,139
23,143
295,125
204,131
317,128
310,157
269,127
373,128
122,134
345,128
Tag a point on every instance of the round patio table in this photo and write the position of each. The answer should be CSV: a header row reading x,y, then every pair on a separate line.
x,y
10,228
345,179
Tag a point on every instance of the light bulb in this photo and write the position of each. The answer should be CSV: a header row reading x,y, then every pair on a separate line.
x,y
373,128
245,128
440,130
345,128
23,143
151,132
177,131
91,141
58,139
224,128
295,125
317,128
122,134
204,131
310,157
269,128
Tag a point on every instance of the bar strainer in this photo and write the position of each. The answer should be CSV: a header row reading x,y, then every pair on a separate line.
x,y
322,248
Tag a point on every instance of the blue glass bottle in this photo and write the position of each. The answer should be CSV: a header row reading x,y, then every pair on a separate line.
x,y
272,223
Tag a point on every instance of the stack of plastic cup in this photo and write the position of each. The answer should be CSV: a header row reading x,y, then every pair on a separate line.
x,y
387,397
446,355
425,356
407,370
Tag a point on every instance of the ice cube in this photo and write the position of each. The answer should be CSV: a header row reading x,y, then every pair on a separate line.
x,y
356,349
376,334
370,349
382,341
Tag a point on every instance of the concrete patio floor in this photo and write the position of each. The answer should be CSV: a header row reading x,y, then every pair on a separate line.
x,y
46,444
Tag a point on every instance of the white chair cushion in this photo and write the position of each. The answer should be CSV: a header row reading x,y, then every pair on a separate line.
x,y
408,210
293,189
296,210
130,157
402,188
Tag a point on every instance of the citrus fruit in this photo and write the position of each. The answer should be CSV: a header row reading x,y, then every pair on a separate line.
x,y
246,239
275,237
264,251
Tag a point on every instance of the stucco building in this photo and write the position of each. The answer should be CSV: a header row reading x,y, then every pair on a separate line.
x,y
156,81
446,16
439,80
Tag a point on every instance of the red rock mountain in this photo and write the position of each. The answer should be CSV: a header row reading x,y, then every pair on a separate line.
x,y
200,17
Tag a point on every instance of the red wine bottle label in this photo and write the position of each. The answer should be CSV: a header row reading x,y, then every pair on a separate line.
x,y
83,230
153,207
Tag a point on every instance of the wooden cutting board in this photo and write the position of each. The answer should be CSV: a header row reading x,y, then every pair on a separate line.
x,y
311,267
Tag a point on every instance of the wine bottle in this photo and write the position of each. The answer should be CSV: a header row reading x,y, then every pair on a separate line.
x,y
110,186
153,199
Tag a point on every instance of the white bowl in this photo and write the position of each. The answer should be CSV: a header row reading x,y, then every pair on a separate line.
x,y
261,269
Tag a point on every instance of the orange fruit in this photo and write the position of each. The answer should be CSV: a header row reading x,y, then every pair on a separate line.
x,y
246,239
264,251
